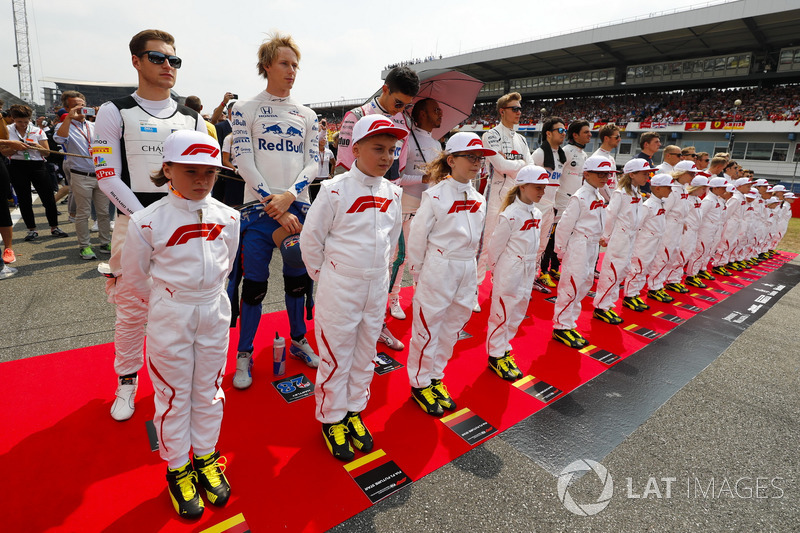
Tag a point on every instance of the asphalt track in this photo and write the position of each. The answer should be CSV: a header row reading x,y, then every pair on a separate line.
x,y
724,444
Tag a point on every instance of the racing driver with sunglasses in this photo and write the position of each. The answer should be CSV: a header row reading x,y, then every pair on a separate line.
x,y
128,137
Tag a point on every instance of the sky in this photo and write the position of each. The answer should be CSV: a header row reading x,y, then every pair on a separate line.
x,y
343,51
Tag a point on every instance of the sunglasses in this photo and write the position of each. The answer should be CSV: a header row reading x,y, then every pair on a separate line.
x,y
400,105
514,108
472,158
158,58
560,130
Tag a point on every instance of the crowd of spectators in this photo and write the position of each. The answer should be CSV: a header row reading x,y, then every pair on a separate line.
x,y
771,103
415,61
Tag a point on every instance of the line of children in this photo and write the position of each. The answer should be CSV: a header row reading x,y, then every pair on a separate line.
x,y
442,247
512,259
177,254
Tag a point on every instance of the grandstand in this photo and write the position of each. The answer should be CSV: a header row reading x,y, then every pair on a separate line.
x,y
96,93
697,61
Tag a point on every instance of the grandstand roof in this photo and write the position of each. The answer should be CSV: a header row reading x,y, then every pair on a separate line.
x,y
761,26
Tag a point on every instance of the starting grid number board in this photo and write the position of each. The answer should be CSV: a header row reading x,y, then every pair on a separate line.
x,y
294,388
722,291
644,332
666,316
703,297
384,363
469,426
729,282
544,392
377,475
604,356
688,307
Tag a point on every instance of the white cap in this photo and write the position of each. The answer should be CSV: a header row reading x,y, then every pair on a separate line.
x,y
598,163
789,195
779,188
761,182
637,165
729,187
717,181
534,174
192,148
685,166
742,181
662,180
752,193
699,181
464,141
377,125
771,201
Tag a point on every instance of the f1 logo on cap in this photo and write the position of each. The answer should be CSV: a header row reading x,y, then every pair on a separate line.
x,y
604,164
380,124
544,176
475,142
201,149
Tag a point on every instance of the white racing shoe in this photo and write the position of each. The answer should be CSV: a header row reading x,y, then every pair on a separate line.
x,y
303,351
395,310
243,377
123,406
389,340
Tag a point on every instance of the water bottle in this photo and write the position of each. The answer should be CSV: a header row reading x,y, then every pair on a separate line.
x,y
279,355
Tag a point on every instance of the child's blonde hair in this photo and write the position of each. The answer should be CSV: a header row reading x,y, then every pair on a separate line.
x,y
513,194
626,184
439,168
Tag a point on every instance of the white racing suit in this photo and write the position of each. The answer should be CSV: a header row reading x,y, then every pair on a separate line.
x,y
622,223
442,246
126,149
711,209
648,242
177,255
688,239
611,185
512,154
730,232
348,241
670,254
750,223
738,251
577,245
512,258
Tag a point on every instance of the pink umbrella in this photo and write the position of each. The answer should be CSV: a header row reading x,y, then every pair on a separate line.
x,y
455,92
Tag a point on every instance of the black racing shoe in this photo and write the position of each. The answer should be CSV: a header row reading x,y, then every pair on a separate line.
x,y
695,281
426,398
505,367
537,286
659,296
210,475
335,439
358,432
641,303
632,303
705,274
733,266
442,395
609,317
570,337
183,493
720,271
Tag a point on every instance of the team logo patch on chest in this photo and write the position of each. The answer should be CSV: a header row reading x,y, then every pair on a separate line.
x,y
530,224
597,204
465,205
184,234
369,202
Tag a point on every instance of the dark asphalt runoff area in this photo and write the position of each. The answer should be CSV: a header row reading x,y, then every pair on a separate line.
x,y
717,453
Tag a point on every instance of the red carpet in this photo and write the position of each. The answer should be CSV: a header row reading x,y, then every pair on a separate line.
x,y
72,468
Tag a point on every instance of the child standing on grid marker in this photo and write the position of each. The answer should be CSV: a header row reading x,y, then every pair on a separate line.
x,y
648,241
512,259
442,248
577,244
348,242
177,255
